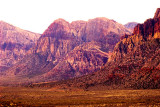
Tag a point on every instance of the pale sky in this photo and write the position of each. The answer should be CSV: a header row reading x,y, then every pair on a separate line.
x,y
37,15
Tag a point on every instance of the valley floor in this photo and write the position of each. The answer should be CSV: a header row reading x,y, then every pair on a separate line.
x,y
20,96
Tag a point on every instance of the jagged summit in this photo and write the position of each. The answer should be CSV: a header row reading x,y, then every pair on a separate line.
x,y
58,28
157,14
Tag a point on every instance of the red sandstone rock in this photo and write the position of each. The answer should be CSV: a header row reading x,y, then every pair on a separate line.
x,y
58,54
135,62
157,14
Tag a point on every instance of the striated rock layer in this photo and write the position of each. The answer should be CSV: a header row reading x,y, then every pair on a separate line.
x,y
66,50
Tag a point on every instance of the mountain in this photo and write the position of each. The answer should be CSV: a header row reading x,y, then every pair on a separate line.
x,y
14,43
134,63
66,50
131,25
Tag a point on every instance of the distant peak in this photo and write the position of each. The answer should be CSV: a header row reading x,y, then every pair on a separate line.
x,y
131,23
57,27
157,14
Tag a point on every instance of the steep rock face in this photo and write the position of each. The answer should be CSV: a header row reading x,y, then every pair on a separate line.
x,y
137,57
14,43
143,33
131,25
83,59
134,62
58,29
68,50
157,14
148,29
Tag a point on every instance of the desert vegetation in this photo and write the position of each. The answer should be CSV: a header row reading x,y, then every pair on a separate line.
x,y
22,96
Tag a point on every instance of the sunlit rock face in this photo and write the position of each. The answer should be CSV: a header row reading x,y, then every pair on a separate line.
x,y
157,14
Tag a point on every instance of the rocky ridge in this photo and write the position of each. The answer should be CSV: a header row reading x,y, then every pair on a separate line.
x,y
134,63
66,50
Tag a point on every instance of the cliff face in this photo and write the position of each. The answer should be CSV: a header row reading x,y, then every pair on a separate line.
x,y
137,57
157,14
61,37
134,44
149,28
14,43
66,50
134,62
83,59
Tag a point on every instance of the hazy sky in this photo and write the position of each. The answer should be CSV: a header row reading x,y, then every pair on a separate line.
x,y
37,15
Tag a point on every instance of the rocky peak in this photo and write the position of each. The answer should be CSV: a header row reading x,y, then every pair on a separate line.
x,y
58,28
143,33
102,29
157,14
149,28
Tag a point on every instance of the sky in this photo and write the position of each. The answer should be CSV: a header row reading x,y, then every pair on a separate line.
x,y
37,15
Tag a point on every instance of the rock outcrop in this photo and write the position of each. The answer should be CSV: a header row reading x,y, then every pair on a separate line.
x,y
157,14
149,28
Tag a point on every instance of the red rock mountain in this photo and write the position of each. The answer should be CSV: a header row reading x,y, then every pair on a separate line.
x,y
134,63
14,43
66,50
